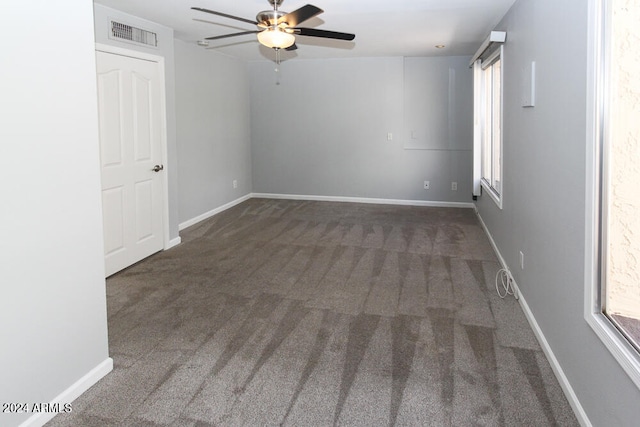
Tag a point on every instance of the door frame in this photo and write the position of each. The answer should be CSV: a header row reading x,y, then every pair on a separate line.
x,y
101,47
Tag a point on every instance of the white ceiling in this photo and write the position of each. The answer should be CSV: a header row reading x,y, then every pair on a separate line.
x,y
383,27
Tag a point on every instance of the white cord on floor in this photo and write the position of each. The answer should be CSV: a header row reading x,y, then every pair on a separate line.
x,y
505,281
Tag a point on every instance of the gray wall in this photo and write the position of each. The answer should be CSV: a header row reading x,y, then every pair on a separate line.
x,y
323,129
165,49
212,104
53,321
438,104
544,198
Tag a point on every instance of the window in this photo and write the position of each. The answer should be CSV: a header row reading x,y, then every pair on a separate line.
x,y
490,81
620,246
613,304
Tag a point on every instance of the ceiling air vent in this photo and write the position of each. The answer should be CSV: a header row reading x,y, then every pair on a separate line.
x,y
120,31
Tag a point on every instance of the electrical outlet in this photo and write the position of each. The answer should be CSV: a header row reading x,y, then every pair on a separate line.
x,y
521,261
427,185
235,183
454,186
389,136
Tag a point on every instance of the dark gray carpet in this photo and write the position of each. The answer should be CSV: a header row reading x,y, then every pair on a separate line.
x,y
317,314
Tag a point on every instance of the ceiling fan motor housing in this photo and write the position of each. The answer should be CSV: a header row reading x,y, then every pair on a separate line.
x,y
269,18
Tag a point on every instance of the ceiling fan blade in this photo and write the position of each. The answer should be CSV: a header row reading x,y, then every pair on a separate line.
x,y
313,32
225,15
290,48
231,35
300,15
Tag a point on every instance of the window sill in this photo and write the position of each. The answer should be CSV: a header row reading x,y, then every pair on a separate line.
x,y
497,198
626,355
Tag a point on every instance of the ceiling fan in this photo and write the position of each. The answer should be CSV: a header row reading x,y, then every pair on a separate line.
x,y
277,29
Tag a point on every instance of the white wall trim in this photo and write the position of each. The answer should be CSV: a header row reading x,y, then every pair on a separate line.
x,y
72,393
477,127
626,355
107,48
503,263
570,394
174,242
206,215
364,200
578,410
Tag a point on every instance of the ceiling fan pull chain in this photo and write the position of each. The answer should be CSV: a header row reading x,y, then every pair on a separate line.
x,y
277,69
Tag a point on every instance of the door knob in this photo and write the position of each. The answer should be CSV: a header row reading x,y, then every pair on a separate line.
x,y
157,168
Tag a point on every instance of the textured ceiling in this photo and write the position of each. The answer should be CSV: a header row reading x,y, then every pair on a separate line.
x,y
383,28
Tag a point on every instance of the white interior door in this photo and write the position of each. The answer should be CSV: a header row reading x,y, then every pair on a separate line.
x,y
131,158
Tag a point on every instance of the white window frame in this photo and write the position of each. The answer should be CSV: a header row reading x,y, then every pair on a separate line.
x,y
597,106
483,64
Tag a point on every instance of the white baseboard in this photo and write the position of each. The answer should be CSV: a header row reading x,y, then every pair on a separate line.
x,y
364,200
173,242
503,263
212,212
222,208
578,410
571,396
72,393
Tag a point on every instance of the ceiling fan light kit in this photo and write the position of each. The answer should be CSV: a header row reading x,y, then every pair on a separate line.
x,y
276,38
